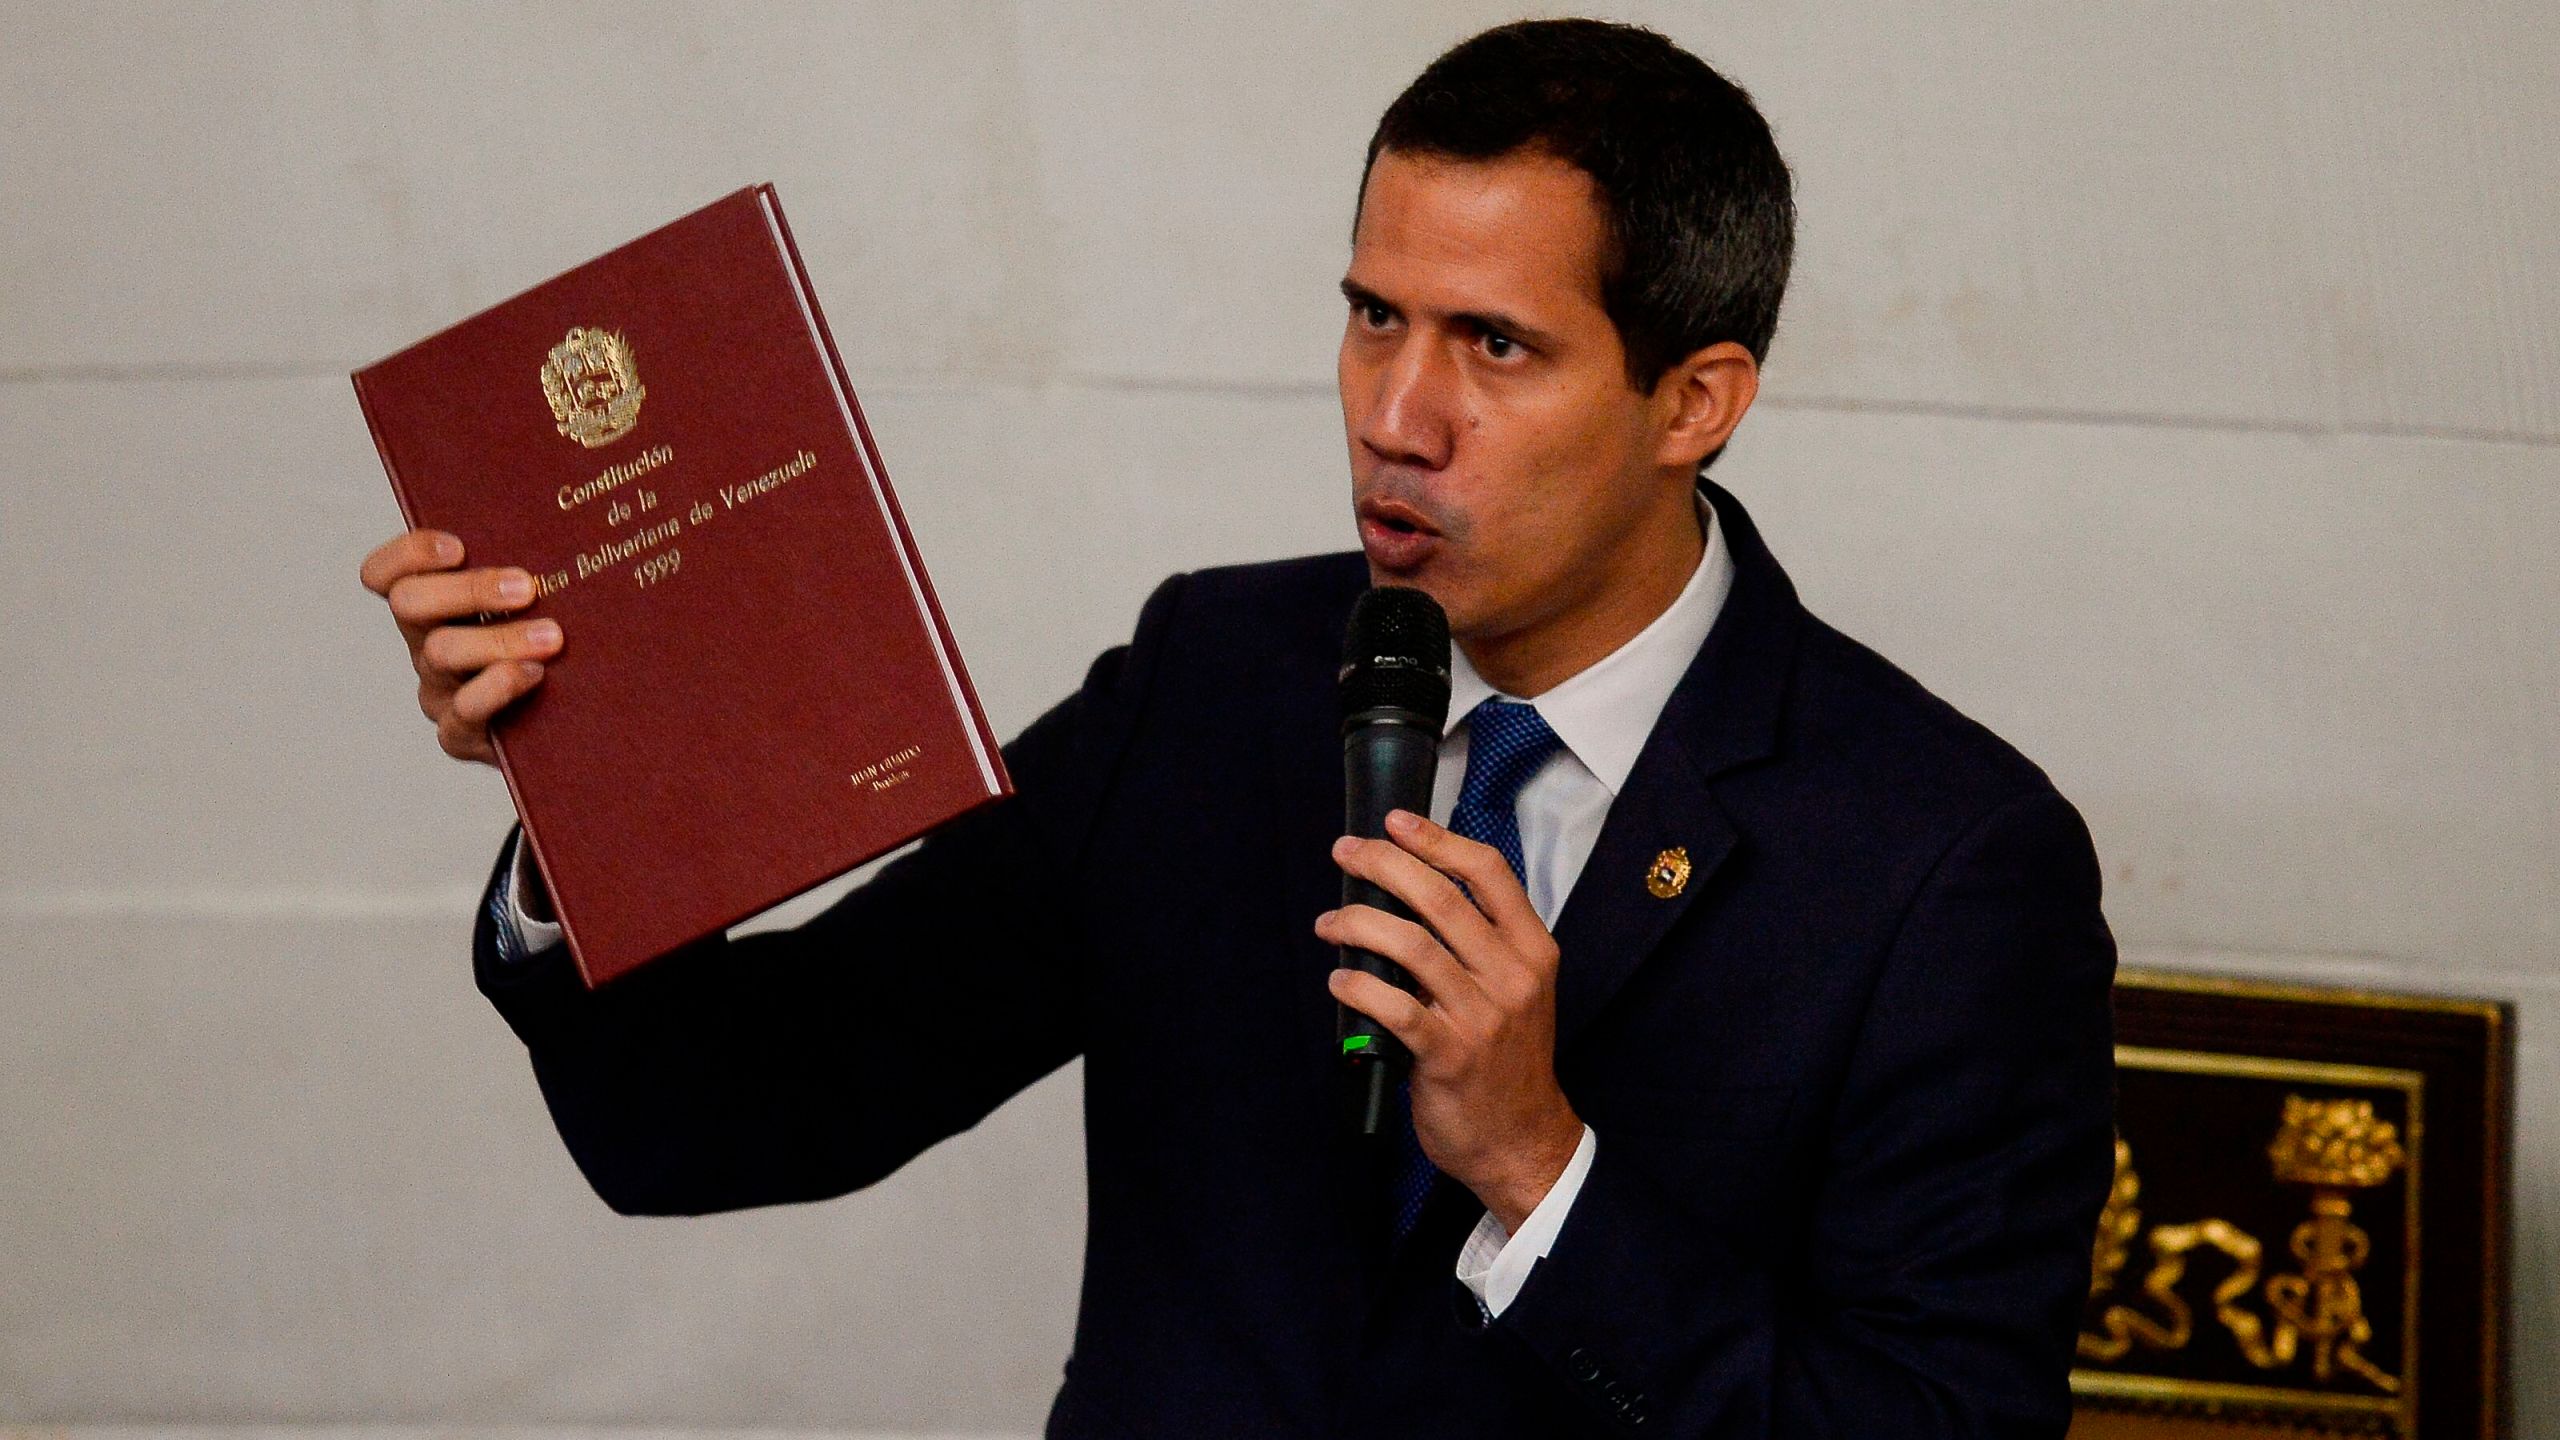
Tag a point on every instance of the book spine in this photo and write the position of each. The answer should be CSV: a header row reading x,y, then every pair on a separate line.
x,y
1000,781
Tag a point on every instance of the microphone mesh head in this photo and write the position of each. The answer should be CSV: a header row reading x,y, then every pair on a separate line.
x,y
1396,654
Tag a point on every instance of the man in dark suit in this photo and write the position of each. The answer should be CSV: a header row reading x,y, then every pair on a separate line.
x,y
1761,1028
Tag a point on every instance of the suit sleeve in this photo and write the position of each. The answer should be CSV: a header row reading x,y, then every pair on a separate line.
x,y
795,1065
1938,1282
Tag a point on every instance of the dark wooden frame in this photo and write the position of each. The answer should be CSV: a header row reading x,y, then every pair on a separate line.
x,y
2455,1060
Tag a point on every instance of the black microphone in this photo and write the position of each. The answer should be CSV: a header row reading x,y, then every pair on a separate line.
x,y
1395,702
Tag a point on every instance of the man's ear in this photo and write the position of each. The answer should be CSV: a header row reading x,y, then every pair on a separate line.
x,y
1701,399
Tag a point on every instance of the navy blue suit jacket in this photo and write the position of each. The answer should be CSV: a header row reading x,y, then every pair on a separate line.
x,y
1852,1084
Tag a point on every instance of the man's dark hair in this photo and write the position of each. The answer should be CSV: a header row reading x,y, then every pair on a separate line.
x,y
1700,213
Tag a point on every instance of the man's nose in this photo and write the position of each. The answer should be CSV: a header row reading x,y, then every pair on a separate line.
x,y
1410,415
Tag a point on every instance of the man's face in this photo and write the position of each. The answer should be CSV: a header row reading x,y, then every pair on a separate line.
x,y
1499,459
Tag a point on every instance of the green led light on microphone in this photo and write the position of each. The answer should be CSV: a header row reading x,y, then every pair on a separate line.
x,y
1356,1042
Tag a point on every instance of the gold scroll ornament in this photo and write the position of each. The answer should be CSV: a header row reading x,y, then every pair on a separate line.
x,y
2332,1145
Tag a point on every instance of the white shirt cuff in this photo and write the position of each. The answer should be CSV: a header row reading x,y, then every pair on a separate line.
x,y
1495,1264
537,935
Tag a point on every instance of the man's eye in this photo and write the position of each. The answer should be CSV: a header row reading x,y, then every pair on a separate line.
x,y
1373,314
1499,346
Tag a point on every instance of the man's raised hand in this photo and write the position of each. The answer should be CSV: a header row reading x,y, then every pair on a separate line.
x,y
467,671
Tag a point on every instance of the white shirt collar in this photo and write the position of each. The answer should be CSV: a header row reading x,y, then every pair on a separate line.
x,y
1604,713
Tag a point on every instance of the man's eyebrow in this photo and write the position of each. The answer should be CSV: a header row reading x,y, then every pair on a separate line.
x,y
1493,321
1498,323
1362,295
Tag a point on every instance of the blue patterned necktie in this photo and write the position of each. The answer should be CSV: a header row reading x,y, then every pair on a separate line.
x,y
1506,743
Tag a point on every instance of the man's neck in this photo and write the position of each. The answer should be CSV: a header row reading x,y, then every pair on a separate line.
x,y
1535,659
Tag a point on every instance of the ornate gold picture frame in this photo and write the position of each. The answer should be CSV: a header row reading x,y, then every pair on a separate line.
x,y
2307,1234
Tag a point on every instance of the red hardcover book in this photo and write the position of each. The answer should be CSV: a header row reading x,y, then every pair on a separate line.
x,y
758,690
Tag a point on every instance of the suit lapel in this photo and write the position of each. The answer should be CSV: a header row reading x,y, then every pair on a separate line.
x,y
1722,715
1613,920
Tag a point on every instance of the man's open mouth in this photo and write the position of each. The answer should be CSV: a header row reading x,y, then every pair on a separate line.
x,y
1397,517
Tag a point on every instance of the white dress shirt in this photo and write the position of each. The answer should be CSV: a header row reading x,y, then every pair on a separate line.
x,y
1603,715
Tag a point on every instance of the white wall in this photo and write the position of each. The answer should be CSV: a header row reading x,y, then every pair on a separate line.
x,y
2171,386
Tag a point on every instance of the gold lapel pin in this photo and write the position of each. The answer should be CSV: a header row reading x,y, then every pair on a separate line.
x,y
1669,874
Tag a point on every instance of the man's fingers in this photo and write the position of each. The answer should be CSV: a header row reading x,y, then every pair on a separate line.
x,y
435,696
462,715
1404,1016
406,554
459,651
464,741
1433,896
467,672
440,596
1422,955
493,689
1483,870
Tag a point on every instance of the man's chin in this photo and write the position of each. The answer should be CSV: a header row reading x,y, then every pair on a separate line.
x,y
1433,581
1425,578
